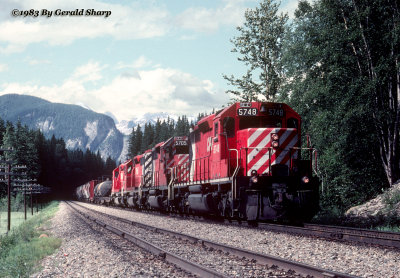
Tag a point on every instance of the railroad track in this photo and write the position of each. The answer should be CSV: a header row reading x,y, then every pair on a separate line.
x,y
288,268
344,234
386,239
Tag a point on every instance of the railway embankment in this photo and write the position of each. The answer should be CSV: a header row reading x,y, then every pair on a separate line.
x,y
363,260
25,245
383,210
88,250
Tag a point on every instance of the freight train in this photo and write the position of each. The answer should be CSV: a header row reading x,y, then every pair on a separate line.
x,y
245,162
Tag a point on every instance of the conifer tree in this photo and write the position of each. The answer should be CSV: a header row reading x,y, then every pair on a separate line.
x,y
164,135
131,144
157,132
137,144
148,137
2,129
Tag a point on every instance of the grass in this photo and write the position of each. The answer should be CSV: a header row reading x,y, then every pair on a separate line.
x,y
22,249
392,198
17,218
388,228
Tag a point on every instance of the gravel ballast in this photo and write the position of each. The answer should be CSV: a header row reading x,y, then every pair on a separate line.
x,y
88,250
356,259
221,262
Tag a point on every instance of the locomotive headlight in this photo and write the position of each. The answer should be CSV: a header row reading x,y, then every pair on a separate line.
x,y
275,144
305,180
254,179
274,136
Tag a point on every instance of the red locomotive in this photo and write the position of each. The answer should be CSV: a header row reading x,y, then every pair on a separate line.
x,y
245,161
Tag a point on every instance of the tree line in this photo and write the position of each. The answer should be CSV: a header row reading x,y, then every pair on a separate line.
x,y
49,162
141,140
337,64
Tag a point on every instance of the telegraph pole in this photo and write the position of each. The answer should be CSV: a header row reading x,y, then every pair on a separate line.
x,y
20,186
9,197
7,173
25,202
31,189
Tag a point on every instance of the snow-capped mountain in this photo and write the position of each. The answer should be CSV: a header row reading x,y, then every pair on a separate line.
x,y
126,126
79,127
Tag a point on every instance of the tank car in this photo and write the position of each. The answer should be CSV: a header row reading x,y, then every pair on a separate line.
x,y
102,192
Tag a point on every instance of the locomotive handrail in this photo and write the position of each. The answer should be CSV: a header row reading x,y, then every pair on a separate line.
x,y
313,154
233,188
315,162
237,161
197,176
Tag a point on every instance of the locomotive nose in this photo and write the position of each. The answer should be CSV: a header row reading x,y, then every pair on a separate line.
x,y
266,147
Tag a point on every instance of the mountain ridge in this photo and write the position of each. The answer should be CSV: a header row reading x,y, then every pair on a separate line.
x,y
79,127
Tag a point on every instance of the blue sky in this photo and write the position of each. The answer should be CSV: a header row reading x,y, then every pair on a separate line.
x,y
147,56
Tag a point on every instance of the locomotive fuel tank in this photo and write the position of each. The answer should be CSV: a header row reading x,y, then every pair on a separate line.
x,y
202,203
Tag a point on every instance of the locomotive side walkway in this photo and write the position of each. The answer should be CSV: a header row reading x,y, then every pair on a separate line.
x,y
88,250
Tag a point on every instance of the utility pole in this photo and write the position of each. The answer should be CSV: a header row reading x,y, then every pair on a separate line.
x,y
9,197
7,173
25,202
20,186
31,189
31,201
8,167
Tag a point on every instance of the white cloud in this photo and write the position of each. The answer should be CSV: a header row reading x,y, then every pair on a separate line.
x,y
3,67
89,72
140,62
138,20
289,7
209,20
126,22
157,90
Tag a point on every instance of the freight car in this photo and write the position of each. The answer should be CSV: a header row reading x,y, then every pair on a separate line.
x,y
102,192
85,192
245,161
94,191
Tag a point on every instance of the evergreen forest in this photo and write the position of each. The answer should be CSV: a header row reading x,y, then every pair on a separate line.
x,y
142,139
49,162
337,64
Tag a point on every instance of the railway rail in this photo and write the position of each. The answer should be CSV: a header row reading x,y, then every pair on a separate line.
x,y
386,239
339,233
168,256
294,269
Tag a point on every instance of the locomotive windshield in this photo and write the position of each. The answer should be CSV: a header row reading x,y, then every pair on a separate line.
x,y
182,149
259,122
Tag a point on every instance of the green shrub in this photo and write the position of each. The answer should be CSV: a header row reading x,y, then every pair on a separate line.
x,y
392,198
22,248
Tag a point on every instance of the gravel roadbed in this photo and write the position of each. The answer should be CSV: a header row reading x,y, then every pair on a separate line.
x,y
87,250
356,259
221,262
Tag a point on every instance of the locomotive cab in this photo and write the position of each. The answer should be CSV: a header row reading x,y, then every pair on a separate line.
x,y
246,163
275,181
